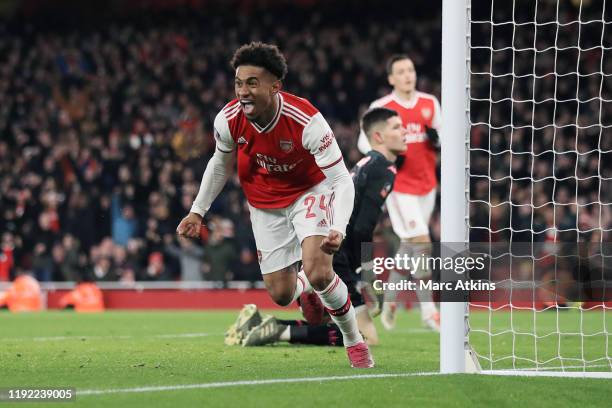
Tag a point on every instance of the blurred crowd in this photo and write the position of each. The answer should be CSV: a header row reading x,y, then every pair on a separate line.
x,y
541,113
106,128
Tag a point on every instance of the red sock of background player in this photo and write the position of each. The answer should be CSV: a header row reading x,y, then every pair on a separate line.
x,y
336,300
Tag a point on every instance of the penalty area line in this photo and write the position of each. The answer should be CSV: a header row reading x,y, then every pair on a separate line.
x,y
248,382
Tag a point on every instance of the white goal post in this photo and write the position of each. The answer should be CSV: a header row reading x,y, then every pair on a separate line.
x,y
527,126
453,183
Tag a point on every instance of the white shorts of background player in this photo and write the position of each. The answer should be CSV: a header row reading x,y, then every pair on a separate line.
x,y
410,213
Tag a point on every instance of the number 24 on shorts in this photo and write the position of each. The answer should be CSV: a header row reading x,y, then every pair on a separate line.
x,y
310,201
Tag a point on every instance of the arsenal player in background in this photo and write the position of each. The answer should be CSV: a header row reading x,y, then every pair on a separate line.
x,y
413,198
299,190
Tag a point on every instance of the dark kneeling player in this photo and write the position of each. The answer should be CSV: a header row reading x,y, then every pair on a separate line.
x,y
373,177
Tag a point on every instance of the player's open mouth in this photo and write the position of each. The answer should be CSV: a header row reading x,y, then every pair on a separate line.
x,y
247,106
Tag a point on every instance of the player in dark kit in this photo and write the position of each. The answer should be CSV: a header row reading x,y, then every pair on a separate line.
x,y
373,177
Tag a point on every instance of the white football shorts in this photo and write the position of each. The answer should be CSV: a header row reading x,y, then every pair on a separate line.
x,y
279,232
410,213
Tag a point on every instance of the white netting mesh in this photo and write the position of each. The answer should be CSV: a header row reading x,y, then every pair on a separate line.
x,y
541,171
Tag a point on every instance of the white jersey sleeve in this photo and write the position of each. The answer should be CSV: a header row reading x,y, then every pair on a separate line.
x,y
363,143
215,175
319,139
223,137
436,121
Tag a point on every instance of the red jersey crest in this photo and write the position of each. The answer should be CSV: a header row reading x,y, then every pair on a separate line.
x,y
286,145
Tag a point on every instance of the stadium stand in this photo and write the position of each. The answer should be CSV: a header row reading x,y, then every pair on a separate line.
x,y
106,128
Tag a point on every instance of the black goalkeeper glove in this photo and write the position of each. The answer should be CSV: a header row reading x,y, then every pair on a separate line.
x,y
433,137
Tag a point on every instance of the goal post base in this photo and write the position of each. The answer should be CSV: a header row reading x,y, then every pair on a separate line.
x,y
472,366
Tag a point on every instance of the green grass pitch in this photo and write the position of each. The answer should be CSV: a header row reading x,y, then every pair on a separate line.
x,y
127,350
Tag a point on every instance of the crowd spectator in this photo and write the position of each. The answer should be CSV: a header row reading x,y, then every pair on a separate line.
x,y
106,129
221,251
540,108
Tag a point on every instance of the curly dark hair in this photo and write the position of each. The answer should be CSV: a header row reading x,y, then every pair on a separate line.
x,y
262,55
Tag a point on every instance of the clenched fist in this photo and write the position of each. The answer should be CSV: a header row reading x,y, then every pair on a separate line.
x,y
331,243
190,226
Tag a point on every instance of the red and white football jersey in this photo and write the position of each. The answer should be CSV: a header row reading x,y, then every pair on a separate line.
x,y
278,163
418,173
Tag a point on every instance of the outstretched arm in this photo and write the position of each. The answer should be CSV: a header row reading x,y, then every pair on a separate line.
x,y
343,197
319,139
213,180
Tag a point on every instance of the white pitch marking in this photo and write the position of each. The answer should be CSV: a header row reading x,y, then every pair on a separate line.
x,y
250,382
562,368
156,336
567,374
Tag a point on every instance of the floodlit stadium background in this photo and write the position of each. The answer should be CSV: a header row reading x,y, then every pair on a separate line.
x,y
106,122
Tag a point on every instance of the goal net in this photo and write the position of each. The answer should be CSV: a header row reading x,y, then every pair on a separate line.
x,y
540,182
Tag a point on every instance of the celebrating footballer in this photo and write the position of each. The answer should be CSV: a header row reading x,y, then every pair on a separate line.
x,y
299,191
